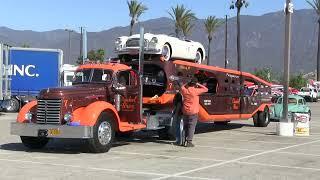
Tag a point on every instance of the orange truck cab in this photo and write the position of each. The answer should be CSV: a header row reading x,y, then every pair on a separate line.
x,y
113,98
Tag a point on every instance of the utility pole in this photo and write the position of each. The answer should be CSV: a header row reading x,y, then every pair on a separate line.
x,y
226,44
287,48
81,41
69,50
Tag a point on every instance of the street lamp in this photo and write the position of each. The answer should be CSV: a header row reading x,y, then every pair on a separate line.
x,y
69,50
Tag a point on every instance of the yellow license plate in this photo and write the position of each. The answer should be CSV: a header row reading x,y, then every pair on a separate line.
x,y
54,132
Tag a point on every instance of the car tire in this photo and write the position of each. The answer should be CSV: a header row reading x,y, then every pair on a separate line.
x,y
309,113
34,142
315,99
12,105
103,134
199,57
166,52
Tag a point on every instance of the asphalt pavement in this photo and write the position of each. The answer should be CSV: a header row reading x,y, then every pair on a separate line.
x,y
236,151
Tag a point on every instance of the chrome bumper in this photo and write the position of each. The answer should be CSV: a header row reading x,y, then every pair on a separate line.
x,y
51,131
136,51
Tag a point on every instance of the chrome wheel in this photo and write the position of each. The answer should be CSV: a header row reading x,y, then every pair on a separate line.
x,y
104,133
198,57
166,52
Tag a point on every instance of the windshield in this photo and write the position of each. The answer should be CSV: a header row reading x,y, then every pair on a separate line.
x,y
92,75
290,101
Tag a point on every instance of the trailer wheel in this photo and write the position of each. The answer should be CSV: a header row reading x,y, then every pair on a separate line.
x,y
255,118
34,142
103,134
12,105
264,118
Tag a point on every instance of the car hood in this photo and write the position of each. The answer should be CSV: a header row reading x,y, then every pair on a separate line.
x,y
81,91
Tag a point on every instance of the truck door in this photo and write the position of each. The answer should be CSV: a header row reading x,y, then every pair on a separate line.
x,y
130,103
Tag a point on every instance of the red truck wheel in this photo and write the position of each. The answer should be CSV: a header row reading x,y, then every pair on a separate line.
x,y
103,134
34,142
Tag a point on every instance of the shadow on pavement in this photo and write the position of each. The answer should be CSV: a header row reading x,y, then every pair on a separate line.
x,y
76,146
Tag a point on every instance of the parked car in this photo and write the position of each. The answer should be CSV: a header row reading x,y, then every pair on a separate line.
x,y
296,104
309,93
161,44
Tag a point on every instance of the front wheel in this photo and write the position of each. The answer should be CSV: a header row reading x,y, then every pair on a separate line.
x,y
103,134
12,105
34,142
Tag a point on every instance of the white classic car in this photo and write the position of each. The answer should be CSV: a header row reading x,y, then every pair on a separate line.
x,y
161,44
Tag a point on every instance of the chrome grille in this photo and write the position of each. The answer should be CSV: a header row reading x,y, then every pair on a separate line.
x,y
134,42
48,111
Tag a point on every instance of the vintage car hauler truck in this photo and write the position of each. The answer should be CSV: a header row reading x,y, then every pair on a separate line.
x,y
104,100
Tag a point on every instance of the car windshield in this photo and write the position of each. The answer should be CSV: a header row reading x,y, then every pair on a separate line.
x,y
290,101
305,90
92,75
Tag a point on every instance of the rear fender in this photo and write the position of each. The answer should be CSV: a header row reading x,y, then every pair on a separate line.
x,y
87,116
26,108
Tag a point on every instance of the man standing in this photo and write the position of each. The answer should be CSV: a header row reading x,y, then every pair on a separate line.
x,y
190,93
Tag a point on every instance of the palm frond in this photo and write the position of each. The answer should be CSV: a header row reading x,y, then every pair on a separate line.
x,y
315,4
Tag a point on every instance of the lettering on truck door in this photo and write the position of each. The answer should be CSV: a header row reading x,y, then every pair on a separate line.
x,y
130,108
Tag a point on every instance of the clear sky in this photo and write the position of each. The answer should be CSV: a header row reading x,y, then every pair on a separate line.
x,y
97,15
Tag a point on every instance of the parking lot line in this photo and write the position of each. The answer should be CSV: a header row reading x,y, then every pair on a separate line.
x,y
280,166
241,140
101,169
167,156
225,148
234,160
88,168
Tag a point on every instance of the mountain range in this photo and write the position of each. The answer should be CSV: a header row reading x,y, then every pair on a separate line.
x,y
262,40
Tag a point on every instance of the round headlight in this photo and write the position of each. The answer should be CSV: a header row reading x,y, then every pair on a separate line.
x,y
28,116
67,117
154,40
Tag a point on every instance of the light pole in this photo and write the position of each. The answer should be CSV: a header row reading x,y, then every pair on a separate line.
x,y
69,50
226,44
286,126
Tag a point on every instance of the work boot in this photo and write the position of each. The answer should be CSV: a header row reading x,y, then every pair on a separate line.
x,y
189,144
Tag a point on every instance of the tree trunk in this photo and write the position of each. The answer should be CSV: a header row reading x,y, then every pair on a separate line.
x,y
209,50
318,53
131,27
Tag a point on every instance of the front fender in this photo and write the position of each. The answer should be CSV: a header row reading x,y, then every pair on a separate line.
x,y
87,116
26,108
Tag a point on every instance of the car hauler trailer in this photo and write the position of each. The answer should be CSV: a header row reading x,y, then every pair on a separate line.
x,y
26,71
104,100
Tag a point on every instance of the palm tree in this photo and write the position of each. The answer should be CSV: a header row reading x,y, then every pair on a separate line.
x,y
182,18
238,4
211,24
315,4
135,11
186,27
